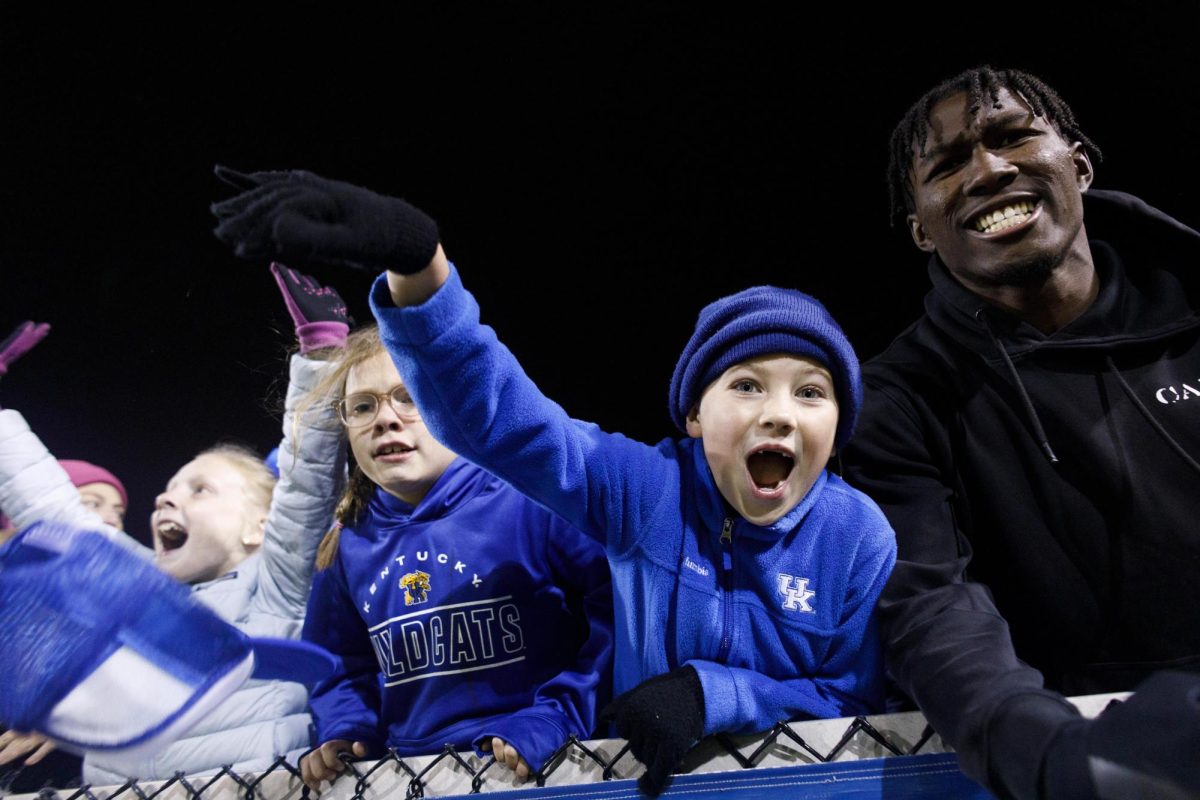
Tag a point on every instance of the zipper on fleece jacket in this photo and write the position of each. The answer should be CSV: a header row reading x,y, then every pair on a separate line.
x,y
726,589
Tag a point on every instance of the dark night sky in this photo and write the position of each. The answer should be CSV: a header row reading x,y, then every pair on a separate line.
x,y
596,178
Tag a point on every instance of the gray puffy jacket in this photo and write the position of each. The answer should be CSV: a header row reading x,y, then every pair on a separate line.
x,y
264,596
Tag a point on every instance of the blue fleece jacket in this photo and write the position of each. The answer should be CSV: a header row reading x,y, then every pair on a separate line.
x,y
778,621
477,613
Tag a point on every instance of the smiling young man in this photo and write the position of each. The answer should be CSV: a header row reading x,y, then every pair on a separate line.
x,y
1025,441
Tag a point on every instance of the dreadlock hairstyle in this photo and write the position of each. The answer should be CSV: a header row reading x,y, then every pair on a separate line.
x,y
977,83
362,345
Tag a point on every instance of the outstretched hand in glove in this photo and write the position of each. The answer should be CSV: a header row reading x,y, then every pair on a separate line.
x,y
296,215
317,311
661,718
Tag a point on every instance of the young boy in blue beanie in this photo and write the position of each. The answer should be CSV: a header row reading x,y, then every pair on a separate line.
x,y
745,575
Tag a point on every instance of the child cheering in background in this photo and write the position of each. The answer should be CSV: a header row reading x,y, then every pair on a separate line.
x,y
463,612
244,543
746,575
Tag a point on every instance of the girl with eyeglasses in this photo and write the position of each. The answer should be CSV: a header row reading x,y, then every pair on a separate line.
x,y
463,613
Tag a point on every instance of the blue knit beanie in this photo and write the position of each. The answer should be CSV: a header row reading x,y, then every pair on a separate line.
x,y
757,322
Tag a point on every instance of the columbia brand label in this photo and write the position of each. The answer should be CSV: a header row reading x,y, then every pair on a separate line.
x,y
796,593
449,640
1169,395
694,567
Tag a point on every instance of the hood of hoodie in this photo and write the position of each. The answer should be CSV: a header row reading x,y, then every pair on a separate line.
x,y
461,481
1141,297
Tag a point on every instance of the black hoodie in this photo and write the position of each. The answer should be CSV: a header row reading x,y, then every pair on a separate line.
x,y
1057,471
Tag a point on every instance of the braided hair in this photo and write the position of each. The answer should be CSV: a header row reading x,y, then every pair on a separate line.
x,y
361,346
978,83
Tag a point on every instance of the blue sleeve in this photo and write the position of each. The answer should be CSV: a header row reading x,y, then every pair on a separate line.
x,y
566,704
476,399
850,680
346,705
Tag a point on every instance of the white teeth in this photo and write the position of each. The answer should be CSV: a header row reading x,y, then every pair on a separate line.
x,y
393,448
1004,218
171,535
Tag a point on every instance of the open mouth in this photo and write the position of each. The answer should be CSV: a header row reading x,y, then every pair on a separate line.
x,y
171,536
393,449
1002,219
769,469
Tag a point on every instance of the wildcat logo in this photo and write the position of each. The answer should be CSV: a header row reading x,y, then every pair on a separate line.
x,y
416,587
795,599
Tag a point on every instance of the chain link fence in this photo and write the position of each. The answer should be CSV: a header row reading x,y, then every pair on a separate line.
x,y
452,773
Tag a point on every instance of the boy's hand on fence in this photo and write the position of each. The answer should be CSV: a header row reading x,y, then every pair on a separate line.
x,y
296,215
661,718
33,746
21,341
507,755
324,763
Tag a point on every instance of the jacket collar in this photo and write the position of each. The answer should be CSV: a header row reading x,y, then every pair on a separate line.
x,y
461,481
714,510
1143,257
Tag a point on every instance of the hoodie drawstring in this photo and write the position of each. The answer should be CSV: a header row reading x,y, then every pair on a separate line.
x,y
1030,412
1154,423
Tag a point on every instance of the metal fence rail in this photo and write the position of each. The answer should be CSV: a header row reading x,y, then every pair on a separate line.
x,y
451,773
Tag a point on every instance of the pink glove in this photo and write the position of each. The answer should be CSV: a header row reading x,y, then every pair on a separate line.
x,y
20,342
317,311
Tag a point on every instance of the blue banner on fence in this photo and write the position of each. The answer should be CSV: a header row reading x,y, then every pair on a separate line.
x,y
908,778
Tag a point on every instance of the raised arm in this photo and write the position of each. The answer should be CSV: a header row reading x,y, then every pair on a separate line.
x,y
471,391
312,456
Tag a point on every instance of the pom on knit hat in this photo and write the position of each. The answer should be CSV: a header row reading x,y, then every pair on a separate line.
x,y
760,321
82,473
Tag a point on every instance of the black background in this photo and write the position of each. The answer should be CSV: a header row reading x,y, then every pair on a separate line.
x,y
597,178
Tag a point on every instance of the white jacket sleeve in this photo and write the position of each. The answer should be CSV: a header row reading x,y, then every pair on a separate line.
x,y
312,473
34,487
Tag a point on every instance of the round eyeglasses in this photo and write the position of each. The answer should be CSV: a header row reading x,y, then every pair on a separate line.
x,y
361,408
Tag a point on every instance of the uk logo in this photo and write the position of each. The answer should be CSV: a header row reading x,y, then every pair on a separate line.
x,y
795,598
416,587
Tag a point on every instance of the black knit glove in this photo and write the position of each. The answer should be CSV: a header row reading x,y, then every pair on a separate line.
x,y
1148,746
662,718
302,216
